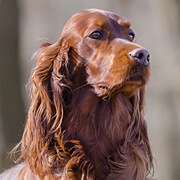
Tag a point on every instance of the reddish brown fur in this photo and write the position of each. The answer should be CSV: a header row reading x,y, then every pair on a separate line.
x,y
75,129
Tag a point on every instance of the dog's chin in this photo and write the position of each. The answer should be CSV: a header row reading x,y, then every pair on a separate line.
x,y
129,86
126,87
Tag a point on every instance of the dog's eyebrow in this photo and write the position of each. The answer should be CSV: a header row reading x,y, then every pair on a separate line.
x,y
124,22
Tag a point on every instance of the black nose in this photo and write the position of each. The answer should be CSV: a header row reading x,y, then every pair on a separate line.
x,y
140,55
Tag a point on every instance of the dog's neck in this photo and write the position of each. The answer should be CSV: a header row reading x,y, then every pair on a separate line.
x,y
100,125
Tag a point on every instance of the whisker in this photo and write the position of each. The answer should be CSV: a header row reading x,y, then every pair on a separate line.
x,y
84,85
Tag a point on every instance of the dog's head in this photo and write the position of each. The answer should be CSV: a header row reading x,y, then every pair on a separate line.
x,y
103,44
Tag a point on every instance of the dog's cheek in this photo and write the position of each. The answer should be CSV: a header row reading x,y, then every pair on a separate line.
x,y
85,51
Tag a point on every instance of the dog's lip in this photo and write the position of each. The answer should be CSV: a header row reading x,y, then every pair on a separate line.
x,y
138,77
101,89
135,77
102,86
135,80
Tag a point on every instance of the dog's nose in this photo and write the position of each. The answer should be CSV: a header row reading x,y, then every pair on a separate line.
x,y
140,55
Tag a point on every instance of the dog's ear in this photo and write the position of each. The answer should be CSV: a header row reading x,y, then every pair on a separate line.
x,y
137,165
42,139
137,136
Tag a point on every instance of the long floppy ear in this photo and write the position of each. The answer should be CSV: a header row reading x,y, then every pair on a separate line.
x,y
135,152
41,145
137,135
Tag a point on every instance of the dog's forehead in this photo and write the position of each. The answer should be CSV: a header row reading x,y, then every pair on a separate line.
x,y
98,16
122,21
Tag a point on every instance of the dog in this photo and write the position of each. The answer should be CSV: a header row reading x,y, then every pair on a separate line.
x,y
86,119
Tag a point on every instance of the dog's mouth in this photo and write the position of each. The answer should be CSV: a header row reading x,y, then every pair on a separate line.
x,y
130,85
126,87
136,79
101,90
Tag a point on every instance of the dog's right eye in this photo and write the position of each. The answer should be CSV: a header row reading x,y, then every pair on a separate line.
x,y
96,35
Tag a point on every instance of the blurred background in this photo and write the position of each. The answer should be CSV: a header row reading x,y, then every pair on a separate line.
x,y
24,23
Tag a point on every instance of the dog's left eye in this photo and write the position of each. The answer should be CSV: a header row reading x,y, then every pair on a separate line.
x,y
96,35
131,36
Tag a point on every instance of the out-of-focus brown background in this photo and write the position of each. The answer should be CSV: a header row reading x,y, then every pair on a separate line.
x,y
157,25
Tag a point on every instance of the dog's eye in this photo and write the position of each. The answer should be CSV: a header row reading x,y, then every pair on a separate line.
x,y
96,35
131,36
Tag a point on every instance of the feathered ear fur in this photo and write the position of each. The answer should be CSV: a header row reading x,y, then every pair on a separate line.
x,y
134,158
41,145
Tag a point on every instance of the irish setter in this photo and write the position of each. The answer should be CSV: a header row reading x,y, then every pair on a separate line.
x,y
86,119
